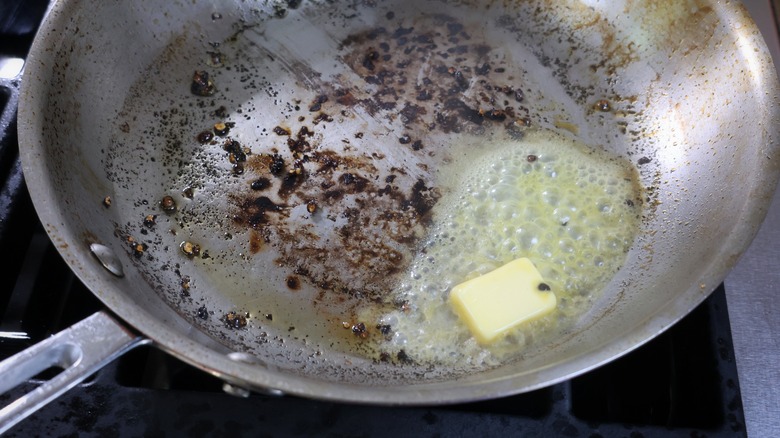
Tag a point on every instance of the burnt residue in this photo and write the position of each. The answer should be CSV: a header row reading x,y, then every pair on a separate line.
x,y
202,85
451,96
453,115
256,211
261,183
293,282
336,217
316,105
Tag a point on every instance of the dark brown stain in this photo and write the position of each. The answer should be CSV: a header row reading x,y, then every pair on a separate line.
x,y
293,282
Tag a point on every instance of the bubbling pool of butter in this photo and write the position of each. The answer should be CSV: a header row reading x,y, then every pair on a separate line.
x,y
573,210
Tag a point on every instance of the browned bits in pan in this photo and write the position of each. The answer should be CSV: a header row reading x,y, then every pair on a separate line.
x,y
317,104
278,130
260,184
644,160
190,249
311,206
202,85
603,105
531,158
203,312
405,139
360,330
168,204
185,283
234,320
139,249
221,129
346,325
403,357
277,165
293,282
544,287
150,220
235,152
205,137
107,201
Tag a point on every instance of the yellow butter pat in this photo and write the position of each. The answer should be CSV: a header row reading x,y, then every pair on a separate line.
x,y
494,303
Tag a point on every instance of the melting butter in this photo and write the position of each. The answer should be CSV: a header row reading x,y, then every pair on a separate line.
x,y
571,209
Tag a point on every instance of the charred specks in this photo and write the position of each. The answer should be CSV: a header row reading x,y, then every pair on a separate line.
x,y
494,114
369,59
603,105
256,210
168,204
422,198
424,95
292,181
190,249
205,137
236,152
150,220
203,312
403,357
412,113
544,287
417,145
629,203
293,282
276,166
269,316
322,117
185,285
234,320
454,113
202,85
139,249
385,329
222,129
483,70
256,242
278,130
316,105
405,139
531,158
188,192
644,160
260,184
360,330
300,142
460,80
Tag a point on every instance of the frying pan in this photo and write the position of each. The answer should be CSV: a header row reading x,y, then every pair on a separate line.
x,y
116,98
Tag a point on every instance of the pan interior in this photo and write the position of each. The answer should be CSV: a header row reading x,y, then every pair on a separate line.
x,y
353,120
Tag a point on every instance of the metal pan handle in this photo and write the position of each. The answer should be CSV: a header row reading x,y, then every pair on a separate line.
x,y
79,350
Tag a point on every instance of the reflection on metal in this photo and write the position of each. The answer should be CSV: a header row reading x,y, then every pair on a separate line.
x,y
235,391
107,258
11,68
14,335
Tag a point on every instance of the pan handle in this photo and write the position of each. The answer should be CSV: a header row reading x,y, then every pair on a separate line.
x,y
79,350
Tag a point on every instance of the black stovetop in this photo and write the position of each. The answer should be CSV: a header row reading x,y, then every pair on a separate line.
x,y
683,383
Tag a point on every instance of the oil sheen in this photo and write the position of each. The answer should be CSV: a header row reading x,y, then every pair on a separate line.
x,y
572,209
